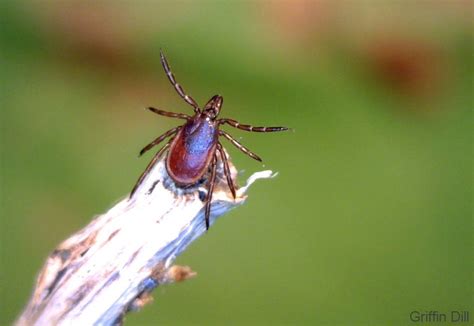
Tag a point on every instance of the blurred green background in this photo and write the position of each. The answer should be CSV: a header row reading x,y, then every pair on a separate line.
x,y
370,217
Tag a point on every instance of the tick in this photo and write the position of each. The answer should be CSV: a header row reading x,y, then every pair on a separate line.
x,y
194,147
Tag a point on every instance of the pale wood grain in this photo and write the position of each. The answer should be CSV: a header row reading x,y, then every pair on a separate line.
x,y
111,265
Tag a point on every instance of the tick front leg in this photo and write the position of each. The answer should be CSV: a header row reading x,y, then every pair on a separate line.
x,y
226,169
238,125
240,146
149,167
210,190
159,140
188,99
170,114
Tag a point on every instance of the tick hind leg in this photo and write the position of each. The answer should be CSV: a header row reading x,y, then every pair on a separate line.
x,y
225,162
159,140
149,167
188,99
240,146
210,190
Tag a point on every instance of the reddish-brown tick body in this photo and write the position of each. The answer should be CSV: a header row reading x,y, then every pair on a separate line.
x,y
194,148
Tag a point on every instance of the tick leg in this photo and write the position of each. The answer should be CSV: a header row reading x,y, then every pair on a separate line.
x,y
226,169
159,140
170,114
240,146
177,86
237,124
149,167
210,190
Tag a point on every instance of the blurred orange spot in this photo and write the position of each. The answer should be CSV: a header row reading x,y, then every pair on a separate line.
x,y
409,66
300,20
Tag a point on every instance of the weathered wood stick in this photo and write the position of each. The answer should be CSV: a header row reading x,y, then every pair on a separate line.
x,y
111,266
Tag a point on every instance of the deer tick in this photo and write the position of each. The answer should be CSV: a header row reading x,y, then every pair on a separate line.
x,y
194,146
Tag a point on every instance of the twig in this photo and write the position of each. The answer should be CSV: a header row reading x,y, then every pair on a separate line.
x,y
111,266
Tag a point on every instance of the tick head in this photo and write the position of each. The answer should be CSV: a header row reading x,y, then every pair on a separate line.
x,y
213,106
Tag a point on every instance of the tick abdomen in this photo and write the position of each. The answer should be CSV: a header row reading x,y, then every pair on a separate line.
x,y
191,151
